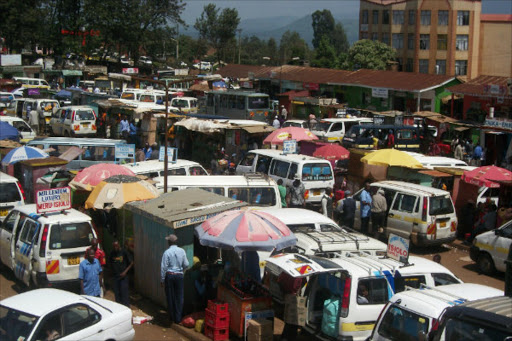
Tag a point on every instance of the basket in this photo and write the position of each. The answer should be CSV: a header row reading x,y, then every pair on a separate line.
x,y
216,334
216,320
217,308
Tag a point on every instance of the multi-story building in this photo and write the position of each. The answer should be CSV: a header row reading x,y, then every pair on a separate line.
x,y
430,36
495,45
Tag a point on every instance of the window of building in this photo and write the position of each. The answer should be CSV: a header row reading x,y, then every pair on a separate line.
x,y
412,17
411,41
461,67
462,18
442,41
375,19
425,18
398,17
442,18
364,17
423,65
364,35
409,66
441,67
424,41
398,40
461,42
375,36
385,17
385,38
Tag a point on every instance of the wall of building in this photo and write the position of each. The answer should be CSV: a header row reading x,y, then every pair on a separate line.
x,y
495,49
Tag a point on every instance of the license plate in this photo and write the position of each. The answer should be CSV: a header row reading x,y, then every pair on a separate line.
x,y
442,224
73,260
3,212
317,192
85,124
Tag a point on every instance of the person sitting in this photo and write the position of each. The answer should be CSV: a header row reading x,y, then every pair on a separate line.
x,y
362,294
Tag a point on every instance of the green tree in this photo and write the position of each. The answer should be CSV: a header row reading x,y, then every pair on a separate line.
x,y
19,23
324,25
369,54
325,55
292,46
218,28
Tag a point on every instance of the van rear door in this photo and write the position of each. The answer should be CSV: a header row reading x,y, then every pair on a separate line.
x,y
442,215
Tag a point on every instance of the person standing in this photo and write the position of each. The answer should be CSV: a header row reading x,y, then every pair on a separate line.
x,y
477,155
296,194
90,274
147,151
347,210
155,152
282,192
284,112
125,128
379,209
459,152
133,133
327,203
366,205
391,139
121,262
174,263
99,254
33,120
276,124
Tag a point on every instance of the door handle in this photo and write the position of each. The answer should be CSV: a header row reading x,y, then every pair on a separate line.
x,y
17,247
100,331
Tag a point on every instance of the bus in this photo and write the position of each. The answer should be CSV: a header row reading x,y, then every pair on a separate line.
x,y
238,105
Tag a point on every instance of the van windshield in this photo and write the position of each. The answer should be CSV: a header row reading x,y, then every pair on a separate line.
x,y
321,126
440,205
316,172
401,324
9,192
70,235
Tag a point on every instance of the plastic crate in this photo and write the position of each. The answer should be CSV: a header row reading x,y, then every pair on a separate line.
x,y
216,320
216,334
218,308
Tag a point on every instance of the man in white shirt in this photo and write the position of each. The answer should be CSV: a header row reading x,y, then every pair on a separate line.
x,y
276,124
33,120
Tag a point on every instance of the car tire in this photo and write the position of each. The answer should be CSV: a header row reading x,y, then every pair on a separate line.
x,y
485,264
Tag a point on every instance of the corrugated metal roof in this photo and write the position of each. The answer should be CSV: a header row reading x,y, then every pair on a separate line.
x,y
477,86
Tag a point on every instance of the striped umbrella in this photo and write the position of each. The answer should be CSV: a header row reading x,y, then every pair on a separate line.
x,y
245,231
23,153
91,176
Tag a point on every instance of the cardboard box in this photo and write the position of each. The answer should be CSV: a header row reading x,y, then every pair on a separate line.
x,y
295,310
262,327
293,300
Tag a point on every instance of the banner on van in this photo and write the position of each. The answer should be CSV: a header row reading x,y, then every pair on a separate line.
x,y
398,248
52,200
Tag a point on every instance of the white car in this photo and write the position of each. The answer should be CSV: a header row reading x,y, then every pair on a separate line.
x,y
203,66
145,60
490,249
50,314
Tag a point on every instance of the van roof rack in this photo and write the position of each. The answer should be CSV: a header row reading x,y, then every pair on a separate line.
x,y
322,237
456,300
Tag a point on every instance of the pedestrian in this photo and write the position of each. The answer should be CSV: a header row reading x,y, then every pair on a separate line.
x,y
155,152
379,209
477,155
284,112
99,254
459,152
174,263
312,121
139,155
121,262
327,203
125,127
391,139
90,274
290,286
347,210
276,124
366,205
282,192
102,125
133,133
487,223
33,120
296,194
147,151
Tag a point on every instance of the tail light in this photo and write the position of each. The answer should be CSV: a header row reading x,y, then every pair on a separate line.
x,y
453,226
306,194
94,127
345,300
266,113
44,237
22,191
76,127
73,117
435,325
252,113
424,211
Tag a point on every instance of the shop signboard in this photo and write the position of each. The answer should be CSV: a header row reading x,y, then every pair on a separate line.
x,y
398,248
380,92
289,147
125,151
496,123
172,154
52,200
130,70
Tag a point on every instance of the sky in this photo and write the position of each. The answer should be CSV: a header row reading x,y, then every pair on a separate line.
x,y
249,9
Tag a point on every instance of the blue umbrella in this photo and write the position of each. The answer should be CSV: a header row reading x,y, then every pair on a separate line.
x,y
23,153
8,132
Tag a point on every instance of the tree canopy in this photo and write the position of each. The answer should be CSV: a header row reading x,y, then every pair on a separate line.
x,y
369,54
324,25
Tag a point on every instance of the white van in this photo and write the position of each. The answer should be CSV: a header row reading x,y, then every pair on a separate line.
x,y
186,105
340,282
32,82
423,214
45,250
333,129
44,108
316,174
490,249
74,121
431,162
27,134
413,313
15,107
155,168
255,189
131,94
11,194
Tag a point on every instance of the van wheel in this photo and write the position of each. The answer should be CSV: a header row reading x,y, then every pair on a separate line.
x,y
485,264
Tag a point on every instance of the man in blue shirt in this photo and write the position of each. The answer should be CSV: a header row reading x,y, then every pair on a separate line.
x,y
477,155
90,274
366,205
147,151
174,263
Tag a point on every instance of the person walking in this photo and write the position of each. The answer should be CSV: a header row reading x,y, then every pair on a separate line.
x,y
174,263
125,128
347,210
390,140
282,192
366,205
276,124
296,194
121,262
477,155
327,203
379,209
459,152
90,274
284,112
33,120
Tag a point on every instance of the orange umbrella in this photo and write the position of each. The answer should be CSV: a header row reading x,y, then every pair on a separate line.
x,y
332,152
293,133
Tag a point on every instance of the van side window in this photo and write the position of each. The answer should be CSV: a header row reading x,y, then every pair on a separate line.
x,y
444,279
376,291
197,171
410,281
177,171
248,160
402,324
8,224
337,127
293,171
263,164
262,196
29,230
216,190
279,168
404,202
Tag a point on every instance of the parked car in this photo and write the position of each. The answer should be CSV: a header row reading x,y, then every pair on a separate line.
x,y
51,314
11,194
74,121
490,249
296,123
145,60
203,66
27,134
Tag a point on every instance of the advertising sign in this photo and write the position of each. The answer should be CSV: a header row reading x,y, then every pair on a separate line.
x,y
130,70
10,59
172,154
125,151
289,146
52,200
379,92
398,248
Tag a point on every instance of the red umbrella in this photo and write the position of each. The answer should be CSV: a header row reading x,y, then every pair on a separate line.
x,y
486,175
89,177
332,152
294,133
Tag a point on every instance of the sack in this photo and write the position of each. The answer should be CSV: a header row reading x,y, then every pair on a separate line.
x,y
188,321
199,326
330,316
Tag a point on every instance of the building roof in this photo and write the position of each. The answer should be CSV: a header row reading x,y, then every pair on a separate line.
x,y
385,2
496,17
483,86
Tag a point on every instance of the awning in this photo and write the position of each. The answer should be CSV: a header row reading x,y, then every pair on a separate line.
x,y
435,173
461,128
257,129
448,98
71,73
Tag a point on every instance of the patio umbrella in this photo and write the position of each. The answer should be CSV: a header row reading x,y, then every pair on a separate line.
x,y
8,132
486,176
295,133
391,157
117,190
23,153
332,152
245,231
91,176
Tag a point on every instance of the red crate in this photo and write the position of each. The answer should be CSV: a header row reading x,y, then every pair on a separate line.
x,y
216,320
218,308
216,334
